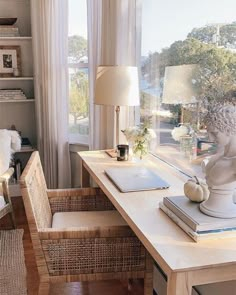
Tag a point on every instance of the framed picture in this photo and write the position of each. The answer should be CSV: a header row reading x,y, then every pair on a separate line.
x,y
9,60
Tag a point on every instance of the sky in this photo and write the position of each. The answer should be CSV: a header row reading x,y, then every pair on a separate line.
x,y
78,18
166,21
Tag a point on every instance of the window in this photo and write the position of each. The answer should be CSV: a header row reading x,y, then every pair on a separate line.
x,y
188,55
78,72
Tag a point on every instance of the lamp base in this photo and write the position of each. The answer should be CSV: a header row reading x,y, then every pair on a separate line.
x,y
112,153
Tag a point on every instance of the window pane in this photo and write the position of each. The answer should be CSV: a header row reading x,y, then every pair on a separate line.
x,y
78,72
188,55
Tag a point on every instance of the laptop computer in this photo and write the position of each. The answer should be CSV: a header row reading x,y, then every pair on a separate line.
x,y
131,179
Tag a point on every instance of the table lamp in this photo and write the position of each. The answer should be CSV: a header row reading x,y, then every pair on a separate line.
x,y
117,86
179,85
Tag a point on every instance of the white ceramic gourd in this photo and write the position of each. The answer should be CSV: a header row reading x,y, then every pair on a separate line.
x,y
196,190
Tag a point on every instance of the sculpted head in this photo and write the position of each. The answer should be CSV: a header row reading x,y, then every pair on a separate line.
x,y
221,119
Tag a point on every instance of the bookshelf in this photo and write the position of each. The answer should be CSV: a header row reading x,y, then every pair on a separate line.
x,y
19,112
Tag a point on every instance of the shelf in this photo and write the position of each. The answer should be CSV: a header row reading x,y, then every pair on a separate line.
x,y
16,100
28,150
16,78
19,38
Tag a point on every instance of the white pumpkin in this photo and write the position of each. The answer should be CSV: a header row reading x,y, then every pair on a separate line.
x,y
196,190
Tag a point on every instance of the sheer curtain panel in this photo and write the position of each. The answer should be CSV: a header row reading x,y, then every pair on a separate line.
x,y
114,31
50,34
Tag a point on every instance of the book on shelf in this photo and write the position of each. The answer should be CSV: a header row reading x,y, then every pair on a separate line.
x,y
11,91
9,30
12,27
9,34
26,147
198,236
190,214
12,94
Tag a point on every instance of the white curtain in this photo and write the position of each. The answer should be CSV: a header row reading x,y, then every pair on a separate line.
x,y
114,38
50,34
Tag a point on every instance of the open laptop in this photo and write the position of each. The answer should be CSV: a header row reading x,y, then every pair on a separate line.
x,y
131,179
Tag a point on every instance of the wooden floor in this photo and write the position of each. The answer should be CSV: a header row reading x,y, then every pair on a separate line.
x,y
113,287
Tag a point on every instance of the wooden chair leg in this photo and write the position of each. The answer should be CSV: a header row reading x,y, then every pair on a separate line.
x,y
44,288
130,283
148,277
13,220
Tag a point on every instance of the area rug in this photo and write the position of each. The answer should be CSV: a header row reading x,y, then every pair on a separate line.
x,y
12,263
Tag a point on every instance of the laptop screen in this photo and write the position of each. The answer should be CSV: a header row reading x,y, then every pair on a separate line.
x,y
131,179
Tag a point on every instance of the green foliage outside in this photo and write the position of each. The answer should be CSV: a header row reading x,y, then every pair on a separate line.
x,y
77,47
78,97
78,92
217,64
227,34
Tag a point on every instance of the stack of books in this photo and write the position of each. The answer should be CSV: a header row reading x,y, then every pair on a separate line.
x,y
8,94
9,31
199,226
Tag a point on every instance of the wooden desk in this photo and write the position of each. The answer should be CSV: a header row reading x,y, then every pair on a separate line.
x,y
185,262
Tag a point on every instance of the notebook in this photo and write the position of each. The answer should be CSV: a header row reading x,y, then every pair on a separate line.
x,y
131,179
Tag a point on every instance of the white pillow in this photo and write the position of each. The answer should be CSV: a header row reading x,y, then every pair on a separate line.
x,y
2,202
15,140
10,142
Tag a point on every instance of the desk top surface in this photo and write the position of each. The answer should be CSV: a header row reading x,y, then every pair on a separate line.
x,y
168,244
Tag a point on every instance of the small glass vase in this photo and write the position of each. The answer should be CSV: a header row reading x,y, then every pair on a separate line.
x,y
138,152
188,146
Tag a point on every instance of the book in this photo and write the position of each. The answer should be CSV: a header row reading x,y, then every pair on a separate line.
x,y
12,94
198,236
9,31
26,147
191,215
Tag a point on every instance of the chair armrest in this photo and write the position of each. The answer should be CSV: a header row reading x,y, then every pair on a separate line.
x,y
7,175
83,233
73,192
84,199
4,180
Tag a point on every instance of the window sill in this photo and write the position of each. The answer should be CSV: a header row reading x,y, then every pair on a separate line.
x,y
79,139
77,147
173,157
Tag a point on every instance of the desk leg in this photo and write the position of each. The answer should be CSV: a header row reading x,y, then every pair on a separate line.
x,y
84,176
179,284
148,277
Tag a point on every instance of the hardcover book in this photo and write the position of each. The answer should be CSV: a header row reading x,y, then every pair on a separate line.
x,y
198,236
190,213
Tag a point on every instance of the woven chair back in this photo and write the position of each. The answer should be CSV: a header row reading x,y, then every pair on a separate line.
x,y
34,192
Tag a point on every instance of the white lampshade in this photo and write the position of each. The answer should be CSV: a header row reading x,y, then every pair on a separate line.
x,y
117,86
179,85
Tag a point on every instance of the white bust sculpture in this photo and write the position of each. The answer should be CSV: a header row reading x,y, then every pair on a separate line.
x,y
221,168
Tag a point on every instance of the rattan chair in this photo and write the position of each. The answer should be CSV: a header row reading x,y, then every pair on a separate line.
x,y
78,235
5,200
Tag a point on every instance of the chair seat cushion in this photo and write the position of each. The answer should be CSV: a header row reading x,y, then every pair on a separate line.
x,y
2,202
87,219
